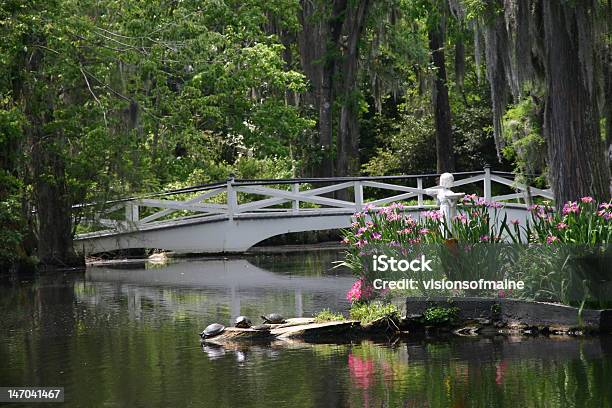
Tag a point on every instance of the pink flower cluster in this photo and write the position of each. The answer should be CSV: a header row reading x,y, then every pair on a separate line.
x,y
361,243
605,211
391,226
542,211
359,291
571,207
475,200
433,215
461,218
390,212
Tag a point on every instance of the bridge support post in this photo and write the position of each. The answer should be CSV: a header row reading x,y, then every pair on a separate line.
x,y
487,183
295,205
232,199
358,195
527,196
420,195
131,212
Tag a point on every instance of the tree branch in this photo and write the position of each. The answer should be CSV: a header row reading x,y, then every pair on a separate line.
x,y
94,95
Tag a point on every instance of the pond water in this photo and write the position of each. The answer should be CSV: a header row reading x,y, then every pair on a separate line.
x,y
117,337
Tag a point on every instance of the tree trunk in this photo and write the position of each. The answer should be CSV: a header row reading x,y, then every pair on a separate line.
x,y
318,39
53,209
442,114
459,63
53,219
607,74
578,166
348,135
326,100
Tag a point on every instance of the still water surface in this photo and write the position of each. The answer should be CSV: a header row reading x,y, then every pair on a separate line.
x,y
128,338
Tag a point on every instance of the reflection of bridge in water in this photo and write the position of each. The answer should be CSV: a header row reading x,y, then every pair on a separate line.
x,y
232,285
233,216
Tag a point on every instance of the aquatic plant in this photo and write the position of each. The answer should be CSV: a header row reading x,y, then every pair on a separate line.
x,y
327,315
369,312
440,315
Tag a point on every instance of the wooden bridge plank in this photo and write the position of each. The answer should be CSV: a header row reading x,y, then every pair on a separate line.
x,y
393,187
287,195
510,183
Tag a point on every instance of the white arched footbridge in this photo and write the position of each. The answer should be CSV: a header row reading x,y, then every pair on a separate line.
x,y
235,215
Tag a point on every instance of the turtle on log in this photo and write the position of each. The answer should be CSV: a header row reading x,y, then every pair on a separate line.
x,y
273,318
212,330
242,322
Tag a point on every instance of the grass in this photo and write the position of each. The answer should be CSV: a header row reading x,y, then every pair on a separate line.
x,y
438,316
327,315
369,312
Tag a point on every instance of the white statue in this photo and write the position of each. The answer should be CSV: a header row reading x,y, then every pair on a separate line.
x,y
446,198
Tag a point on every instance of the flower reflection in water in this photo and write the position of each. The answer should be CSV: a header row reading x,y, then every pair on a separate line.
x,y
361,371
500,372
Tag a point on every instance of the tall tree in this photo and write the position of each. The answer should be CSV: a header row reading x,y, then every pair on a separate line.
x,y
51,199
550,49
319,36
578,165
348,134
329,51
441,105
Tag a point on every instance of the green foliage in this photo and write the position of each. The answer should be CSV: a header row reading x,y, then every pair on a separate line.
x,y
243,168
472,130
572,275
140,97
327,315
408,148
475,8
438,316
525,144
12,229
406,144
496,310
369,312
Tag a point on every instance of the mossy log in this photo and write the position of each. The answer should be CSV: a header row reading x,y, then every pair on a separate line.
x,y
293,329
316,331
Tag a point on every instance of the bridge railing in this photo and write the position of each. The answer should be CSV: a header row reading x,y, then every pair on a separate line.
x,y
248,198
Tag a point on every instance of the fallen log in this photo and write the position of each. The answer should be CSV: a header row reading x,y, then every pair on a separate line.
x,y
293,329
316,331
